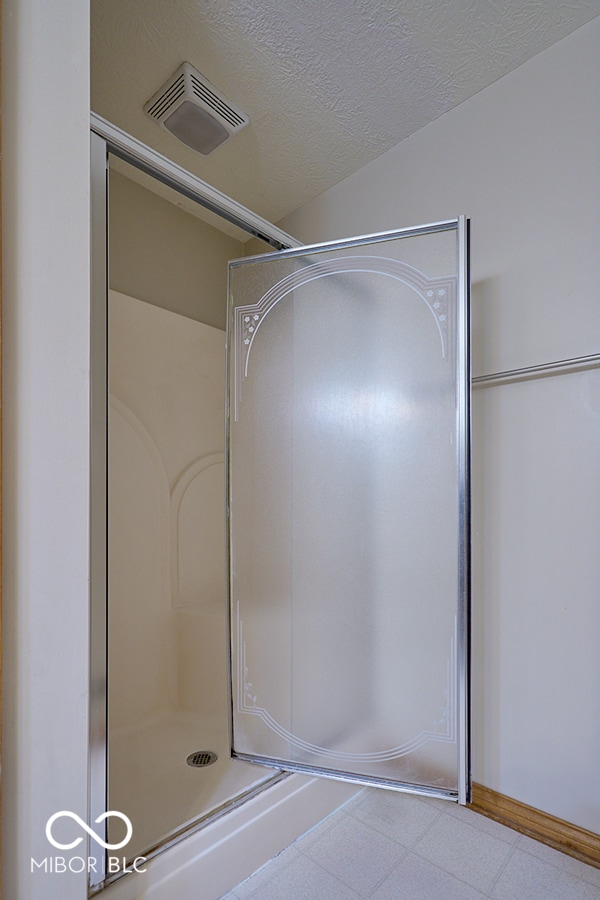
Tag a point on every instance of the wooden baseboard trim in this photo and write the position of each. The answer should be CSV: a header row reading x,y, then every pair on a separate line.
x,y
570,839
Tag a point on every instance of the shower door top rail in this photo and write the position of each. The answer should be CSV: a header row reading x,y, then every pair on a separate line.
x,y
164,170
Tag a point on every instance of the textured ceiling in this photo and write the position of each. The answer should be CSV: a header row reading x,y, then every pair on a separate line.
x,y
328,86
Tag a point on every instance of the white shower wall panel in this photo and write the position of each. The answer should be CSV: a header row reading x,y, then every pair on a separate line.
x,y
200,642
140,650
166,511
155,354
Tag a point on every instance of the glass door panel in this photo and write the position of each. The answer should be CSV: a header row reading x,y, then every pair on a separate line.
x,y
347,470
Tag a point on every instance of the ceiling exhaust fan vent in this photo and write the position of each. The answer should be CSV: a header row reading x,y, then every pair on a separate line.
x,y
194,111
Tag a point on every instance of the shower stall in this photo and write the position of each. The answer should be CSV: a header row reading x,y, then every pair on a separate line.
x,y
161,715
204,721
168,738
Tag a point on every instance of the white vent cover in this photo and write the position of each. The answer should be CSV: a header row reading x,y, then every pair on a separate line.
x,y
193,110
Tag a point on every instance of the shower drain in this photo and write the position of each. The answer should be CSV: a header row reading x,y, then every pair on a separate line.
x,y
201,758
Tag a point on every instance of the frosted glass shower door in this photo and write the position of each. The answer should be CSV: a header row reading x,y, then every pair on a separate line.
x,y
348,509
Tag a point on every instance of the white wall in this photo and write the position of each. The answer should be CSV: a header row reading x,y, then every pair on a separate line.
x,y
45,82
521,159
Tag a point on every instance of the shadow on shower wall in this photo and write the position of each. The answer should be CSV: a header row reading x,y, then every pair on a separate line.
x,y
167,639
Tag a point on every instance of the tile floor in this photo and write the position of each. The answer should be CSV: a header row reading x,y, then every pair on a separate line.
x,y
390,846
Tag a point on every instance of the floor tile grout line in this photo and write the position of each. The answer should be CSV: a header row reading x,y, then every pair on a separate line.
x,y
402,846
395,866
560,852
513,844
479,831
501,870
411,848
471,887
434,866
440,812
331,875
483,830
557,866
356,821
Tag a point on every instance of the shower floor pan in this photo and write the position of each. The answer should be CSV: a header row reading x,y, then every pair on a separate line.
x,y
152,783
